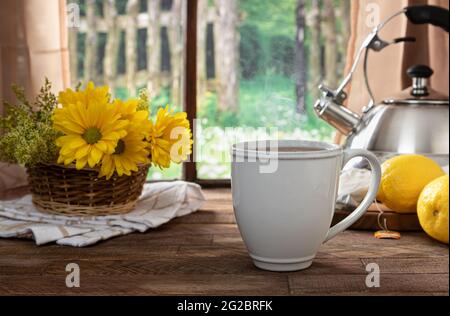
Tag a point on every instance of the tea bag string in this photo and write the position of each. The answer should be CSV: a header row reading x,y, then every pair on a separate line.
x,y
380,214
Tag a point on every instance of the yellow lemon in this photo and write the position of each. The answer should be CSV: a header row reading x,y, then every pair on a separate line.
x,y
404,178
432,209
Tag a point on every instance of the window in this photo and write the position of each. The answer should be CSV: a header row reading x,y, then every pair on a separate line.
x,y
129,45
244,68
259,65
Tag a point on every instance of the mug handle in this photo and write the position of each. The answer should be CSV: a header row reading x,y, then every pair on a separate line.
x,y
370,196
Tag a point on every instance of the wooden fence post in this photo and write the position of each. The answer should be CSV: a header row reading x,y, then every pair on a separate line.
x,y
153,47
131,45
226,40
73,55
90,57
112,45
331,50
176,51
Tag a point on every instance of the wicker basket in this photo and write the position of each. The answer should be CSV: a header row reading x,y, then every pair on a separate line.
x,y
61,190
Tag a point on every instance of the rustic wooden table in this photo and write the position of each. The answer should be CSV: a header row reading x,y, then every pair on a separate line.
x,y
203,254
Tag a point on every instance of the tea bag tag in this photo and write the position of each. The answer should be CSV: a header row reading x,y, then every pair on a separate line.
x,y
385,233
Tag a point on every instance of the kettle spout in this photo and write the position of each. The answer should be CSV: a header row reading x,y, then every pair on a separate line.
x,y
340,117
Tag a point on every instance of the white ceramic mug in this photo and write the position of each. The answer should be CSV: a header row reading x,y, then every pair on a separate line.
x,y
284,214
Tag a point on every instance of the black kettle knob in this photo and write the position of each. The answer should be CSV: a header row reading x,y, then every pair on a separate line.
x,y
419,75
420,71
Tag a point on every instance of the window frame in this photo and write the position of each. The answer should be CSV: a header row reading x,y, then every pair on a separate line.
x,y
190,96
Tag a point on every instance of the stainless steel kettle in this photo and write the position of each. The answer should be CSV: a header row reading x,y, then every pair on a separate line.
x,y
414,121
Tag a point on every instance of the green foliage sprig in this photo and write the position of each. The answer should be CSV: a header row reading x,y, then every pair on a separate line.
x,y
26,133
144,100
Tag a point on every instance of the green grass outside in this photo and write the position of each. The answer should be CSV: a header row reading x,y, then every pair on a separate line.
x,y
266,101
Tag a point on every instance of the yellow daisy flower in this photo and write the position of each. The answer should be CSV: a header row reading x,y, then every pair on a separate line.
x,y
90,132
129,153
139,119
91,94
170,138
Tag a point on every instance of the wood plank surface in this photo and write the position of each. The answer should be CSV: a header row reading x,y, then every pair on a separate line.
x,y
203,254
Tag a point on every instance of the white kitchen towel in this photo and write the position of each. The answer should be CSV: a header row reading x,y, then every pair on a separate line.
x,y
158,204
353,186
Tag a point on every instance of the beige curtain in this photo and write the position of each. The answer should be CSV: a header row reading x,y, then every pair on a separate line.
x,y
33,45
387,69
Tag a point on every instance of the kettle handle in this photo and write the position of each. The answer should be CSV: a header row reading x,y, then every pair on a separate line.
x,y
420,14
428,14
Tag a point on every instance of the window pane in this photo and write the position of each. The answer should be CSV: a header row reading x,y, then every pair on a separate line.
x,y
129,45
259,65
